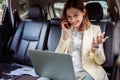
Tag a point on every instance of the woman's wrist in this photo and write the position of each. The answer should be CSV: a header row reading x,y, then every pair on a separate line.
x,y
65,35
95,48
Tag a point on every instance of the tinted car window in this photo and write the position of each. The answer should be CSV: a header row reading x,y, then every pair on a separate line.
x,y
23,8
58,7
2,6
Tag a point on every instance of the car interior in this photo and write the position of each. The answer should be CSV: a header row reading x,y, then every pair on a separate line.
x,y
35,24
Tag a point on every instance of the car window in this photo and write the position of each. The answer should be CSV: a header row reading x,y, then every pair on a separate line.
x,y
2,6
58,7
23,9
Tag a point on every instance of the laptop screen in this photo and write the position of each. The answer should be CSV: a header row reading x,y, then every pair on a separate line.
x,y
52,65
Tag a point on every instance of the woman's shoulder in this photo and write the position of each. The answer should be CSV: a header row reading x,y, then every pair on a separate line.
x,y
95,27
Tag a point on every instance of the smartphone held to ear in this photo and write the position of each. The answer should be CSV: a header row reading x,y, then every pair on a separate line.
x,y
68,25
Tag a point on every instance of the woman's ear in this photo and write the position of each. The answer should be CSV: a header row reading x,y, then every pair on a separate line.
x,y
84,11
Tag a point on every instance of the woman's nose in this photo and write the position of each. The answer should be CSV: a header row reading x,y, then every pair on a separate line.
x,y
72,19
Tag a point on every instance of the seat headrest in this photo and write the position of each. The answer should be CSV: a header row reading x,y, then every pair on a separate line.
x,y
95,11
35,12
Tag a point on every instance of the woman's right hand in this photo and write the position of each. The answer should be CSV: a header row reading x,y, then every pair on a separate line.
x,y
66,27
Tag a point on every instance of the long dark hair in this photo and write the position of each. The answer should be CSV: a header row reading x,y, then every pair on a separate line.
x,y
78,4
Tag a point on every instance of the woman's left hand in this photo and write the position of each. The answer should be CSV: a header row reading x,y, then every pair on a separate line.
x,y
100,39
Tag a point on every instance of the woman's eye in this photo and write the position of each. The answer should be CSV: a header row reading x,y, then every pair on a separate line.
x,y
68,17
76,15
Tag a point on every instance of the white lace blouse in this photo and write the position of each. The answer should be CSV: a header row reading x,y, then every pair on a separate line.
x,y
75,48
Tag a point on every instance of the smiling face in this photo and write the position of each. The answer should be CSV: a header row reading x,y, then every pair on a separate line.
x,y
75,16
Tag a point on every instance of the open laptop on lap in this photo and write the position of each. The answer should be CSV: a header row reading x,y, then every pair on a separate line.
x,y
52,65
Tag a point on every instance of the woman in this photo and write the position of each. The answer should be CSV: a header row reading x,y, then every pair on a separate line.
x,y
82,40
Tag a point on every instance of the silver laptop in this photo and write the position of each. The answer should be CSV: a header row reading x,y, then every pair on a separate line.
x,y
52,65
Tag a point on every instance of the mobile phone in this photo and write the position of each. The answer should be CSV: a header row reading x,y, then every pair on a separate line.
x,y
68,25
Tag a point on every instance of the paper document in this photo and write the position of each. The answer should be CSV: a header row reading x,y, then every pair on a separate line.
x,y
21,71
